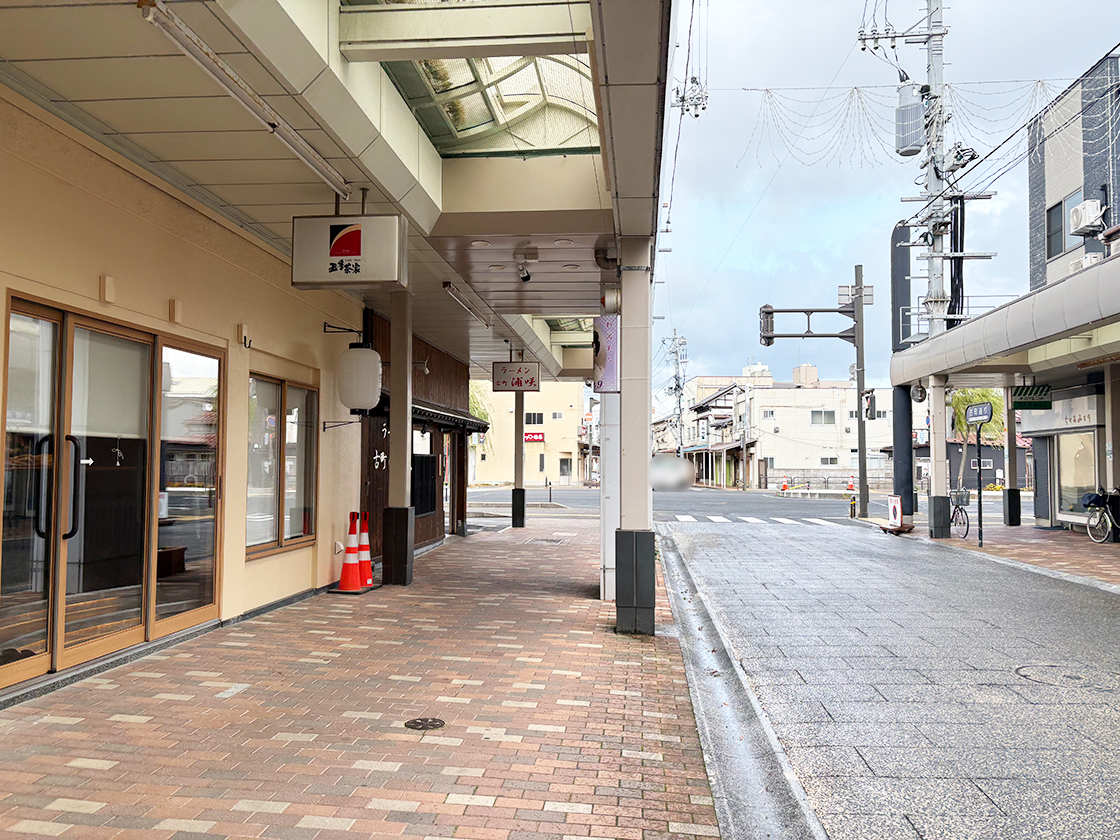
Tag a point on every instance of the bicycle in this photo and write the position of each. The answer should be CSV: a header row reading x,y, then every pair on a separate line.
x,y
959,519
1100,523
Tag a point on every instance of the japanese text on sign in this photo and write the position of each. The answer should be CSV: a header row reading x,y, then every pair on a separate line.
x,y
516,376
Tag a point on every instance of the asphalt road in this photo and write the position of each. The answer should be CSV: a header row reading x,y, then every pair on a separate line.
x,y
920,691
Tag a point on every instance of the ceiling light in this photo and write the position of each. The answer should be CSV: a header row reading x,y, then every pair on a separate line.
x,y
497,267
564,242
479,243
571,267
457,296
157,13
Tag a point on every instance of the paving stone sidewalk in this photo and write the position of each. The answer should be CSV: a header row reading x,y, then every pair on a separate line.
x,y
291,725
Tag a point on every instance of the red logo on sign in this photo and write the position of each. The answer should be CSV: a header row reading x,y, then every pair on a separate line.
x,y
534,437
346,241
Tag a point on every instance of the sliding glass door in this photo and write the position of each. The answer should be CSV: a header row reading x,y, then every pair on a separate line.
x,y
106,542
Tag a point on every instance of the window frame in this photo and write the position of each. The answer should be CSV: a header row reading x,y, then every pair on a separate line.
x,y
1062,233
529,418
822,412
542,462
282,543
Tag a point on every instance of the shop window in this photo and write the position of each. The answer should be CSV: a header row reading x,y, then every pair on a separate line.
x,y
282,463
1077,470
565,467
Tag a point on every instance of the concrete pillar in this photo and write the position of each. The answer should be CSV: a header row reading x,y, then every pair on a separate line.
x,y
610,484
903,440
400,516
1111,426
939,508
1012,505
518,511
634,551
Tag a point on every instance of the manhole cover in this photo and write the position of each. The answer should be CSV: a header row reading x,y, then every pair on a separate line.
x,y
544,541
1069,676
424,723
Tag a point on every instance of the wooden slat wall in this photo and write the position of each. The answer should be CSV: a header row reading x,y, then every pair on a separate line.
x,y
447,382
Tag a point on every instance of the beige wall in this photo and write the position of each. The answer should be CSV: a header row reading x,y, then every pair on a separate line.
x,y
71,211
561,437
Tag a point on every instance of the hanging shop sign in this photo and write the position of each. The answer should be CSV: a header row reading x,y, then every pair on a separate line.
x,y
605,362
349,252
1032,397
516,376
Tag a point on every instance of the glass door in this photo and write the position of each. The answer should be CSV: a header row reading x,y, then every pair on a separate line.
x,y
27,548
106,472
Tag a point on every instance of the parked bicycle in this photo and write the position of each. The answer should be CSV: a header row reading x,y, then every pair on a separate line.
x,y
958,522
1100,523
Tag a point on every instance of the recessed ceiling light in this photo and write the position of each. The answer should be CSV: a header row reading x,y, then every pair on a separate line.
x,y
571,267
565,242
479,243
497,267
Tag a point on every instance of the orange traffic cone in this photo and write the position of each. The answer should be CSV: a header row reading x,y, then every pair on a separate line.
x,y
785,482
365,565
351,580
851,482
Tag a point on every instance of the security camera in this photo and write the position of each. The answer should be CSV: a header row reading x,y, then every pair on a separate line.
x,y
523,273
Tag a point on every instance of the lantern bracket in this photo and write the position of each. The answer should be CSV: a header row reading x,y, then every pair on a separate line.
x,y
335,424
332,328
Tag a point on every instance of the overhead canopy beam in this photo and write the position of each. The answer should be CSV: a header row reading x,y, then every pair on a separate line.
x,y
490,29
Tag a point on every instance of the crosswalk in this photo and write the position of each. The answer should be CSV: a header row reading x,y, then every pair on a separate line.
x,y
754,520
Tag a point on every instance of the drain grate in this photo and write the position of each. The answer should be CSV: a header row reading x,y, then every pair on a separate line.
x,y
544,541
424,723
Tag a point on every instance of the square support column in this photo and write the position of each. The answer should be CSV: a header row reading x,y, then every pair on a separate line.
x,y
1012,504
518,510
939,508
400,516
634,544
610,484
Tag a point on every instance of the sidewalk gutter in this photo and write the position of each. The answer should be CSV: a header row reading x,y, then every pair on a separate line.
x,y
756,792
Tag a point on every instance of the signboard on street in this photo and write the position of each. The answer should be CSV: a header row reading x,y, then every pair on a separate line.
x,y
534,437
516,376
348,252
894,511
978,413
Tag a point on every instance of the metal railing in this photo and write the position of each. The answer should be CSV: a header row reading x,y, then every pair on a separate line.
x,y
915,320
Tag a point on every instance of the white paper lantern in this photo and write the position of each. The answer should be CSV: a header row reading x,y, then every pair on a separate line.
x,y
359,378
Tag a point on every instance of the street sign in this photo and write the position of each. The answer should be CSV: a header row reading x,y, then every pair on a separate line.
x,y
1032,397
978,413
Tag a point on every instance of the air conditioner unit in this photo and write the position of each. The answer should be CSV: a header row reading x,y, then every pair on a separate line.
x,y
1085,218
1084,262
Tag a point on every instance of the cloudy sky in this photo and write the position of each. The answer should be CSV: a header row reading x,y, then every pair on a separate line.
x,y
751,225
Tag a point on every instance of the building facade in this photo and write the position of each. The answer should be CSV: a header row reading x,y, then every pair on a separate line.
x,y
555,428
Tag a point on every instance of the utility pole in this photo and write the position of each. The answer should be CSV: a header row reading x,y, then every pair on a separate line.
x,y
861,420
677,348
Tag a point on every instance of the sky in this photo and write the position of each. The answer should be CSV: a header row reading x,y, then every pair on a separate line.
x,y
751,225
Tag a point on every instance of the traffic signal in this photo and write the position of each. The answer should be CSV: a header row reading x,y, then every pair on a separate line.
x,y
766,325
869,405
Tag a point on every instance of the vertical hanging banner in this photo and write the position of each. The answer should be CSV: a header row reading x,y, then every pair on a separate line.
x,y
605,364
516,376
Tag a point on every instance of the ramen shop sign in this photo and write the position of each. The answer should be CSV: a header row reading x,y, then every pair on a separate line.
x,y
516,376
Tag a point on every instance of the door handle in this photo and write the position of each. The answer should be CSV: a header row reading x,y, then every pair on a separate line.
x,y
74,488
38,488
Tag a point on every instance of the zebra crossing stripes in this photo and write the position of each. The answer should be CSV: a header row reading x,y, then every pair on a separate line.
x,y
785,521
819,521
719,519
684,517
754,520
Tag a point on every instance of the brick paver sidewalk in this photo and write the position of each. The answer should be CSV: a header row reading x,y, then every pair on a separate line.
x,y
291,725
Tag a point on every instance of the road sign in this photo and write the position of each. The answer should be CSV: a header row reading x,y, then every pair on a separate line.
x,y
978,413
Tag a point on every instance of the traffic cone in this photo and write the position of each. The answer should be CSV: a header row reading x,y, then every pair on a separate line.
x,y
851,482
365,565
785,482
351,579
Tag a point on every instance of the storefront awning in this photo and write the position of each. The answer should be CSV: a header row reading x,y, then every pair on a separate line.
x,y
1086,300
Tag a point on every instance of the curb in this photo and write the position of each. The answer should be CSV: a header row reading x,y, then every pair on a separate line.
x,y
756,792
